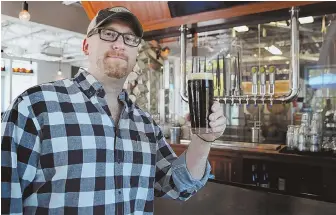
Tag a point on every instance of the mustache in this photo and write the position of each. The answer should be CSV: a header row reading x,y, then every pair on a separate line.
x,y
116,54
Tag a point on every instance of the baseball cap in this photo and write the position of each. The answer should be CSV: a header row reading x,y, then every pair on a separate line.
x,y
107,15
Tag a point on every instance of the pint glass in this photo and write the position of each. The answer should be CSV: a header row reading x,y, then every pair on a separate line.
x,y
200,97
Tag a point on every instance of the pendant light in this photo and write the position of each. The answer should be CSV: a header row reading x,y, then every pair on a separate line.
x,y
24,14
60,61
59,68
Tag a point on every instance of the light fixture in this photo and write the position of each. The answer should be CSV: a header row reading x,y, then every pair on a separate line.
x,y
287,62
165,52
279,23
233,33
24,14
274,50
264,32
59,68
243,28
305,20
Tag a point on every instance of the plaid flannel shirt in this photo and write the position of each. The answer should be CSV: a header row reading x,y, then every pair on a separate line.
x,y
61,153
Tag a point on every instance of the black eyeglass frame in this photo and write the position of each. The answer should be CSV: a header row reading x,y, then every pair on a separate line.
x,y
99,30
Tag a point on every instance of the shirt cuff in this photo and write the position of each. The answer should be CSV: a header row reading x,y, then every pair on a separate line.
x,y
182,177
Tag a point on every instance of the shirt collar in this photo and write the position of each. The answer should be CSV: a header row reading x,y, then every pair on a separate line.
x,y
90,86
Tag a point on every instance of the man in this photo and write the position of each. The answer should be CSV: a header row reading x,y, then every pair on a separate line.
x,y
80,146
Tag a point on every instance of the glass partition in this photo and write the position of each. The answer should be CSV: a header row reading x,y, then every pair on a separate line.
x,y
265,50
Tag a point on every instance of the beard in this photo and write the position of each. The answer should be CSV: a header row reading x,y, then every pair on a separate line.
x,y
112,66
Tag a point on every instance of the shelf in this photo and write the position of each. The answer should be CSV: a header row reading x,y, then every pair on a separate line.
x,y
24,74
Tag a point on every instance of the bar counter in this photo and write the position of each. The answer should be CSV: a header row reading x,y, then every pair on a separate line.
x,y
307,176
271,152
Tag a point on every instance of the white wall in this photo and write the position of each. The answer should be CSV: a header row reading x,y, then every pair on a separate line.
x,y
46,71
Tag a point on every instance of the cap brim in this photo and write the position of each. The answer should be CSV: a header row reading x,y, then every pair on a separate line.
x,y
127,17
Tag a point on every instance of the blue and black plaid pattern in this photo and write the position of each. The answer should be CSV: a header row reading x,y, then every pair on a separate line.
x,y
61,153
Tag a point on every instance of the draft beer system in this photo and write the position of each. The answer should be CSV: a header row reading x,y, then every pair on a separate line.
x,y
259,93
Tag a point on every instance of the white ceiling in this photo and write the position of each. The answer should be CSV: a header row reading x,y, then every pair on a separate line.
x,y
41,42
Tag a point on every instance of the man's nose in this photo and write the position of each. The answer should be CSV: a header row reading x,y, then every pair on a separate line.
x,y
118,44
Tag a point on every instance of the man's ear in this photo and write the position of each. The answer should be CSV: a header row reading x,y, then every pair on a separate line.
x,y
85,47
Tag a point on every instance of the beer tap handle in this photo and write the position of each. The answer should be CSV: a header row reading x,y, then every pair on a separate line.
x,y
218,76
262,74
224,72
254,72
271,76
233,86
205,70
212,71
238,81
199,65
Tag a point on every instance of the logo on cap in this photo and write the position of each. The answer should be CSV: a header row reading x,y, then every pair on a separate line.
x,y
119,9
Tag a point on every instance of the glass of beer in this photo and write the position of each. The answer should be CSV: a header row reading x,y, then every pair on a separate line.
x,y
200,96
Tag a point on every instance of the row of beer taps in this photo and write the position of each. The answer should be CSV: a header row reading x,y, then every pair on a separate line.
x,y
232,64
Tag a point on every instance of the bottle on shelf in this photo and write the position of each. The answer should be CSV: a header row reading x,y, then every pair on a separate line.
x,y
281,183
255,178
290,137
303,138
264,179
327,115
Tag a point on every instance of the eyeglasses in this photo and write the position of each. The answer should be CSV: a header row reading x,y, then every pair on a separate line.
x,y
112,35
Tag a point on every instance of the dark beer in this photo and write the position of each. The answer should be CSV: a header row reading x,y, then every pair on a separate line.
x,y
200,96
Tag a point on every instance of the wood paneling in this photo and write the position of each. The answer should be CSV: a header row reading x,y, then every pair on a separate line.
x,y
156,15
221,14
145,10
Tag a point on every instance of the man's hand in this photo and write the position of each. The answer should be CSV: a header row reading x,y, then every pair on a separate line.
x,y
198,151
217,123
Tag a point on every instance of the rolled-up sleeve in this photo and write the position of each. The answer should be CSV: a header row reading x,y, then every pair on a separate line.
x,y
173,179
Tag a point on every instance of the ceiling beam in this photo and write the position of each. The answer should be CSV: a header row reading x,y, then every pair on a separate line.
x,y
237,11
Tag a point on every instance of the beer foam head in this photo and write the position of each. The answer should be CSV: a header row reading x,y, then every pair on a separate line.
x,y
200,76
